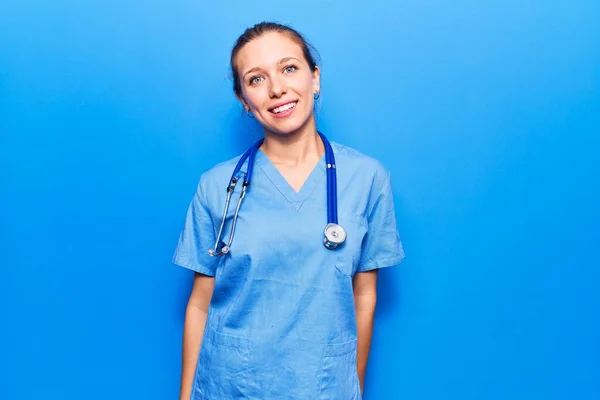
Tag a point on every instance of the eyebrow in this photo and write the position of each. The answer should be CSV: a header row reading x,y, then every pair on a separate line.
x,y
282,61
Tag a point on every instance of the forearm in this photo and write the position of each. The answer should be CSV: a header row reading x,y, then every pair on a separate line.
x,y
195,321
365,314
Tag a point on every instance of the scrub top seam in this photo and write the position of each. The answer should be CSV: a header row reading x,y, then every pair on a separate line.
x,y
185,263
276,186
386,262
309,196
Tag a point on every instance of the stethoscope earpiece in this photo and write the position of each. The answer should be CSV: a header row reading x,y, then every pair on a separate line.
x,y
224,249
335,235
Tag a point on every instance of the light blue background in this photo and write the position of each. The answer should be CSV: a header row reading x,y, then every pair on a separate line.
x,y
486,113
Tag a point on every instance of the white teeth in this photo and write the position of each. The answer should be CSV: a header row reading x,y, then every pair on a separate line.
x,y
284,107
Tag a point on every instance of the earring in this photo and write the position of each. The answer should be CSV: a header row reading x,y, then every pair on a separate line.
x,y
250,114
316,95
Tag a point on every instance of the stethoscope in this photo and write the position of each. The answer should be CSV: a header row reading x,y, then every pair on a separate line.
x,y
334,234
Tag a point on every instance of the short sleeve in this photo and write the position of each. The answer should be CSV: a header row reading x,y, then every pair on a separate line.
x,y
197,237
381,246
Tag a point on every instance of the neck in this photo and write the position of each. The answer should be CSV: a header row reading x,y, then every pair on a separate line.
x,y
294,148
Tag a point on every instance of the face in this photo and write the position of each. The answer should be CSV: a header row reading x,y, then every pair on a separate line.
x,y
277,83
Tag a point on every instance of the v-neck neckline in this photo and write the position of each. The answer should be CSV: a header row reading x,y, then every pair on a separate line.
x,y
296,199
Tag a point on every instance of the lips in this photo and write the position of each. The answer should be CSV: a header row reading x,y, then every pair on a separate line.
x,y
283,107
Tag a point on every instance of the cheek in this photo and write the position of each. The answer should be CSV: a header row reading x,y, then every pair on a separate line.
x,y
256,96
253,98
307,85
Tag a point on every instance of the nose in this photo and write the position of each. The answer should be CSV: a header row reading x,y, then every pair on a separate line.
x,y
278,88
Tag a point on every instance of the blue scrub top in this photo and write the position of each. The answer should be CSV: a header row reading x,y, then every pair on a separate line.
x,y
281,322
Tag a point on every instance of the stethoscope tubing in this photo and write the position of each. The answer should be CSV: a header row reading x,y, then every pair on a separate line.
x,y
330,166
250,156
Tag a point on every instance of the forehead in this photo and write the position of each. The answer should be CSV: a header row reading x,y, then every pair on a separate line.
x,y
267,50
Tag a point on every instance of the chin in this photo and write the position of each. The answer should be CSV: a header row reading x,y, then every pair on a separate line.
x,y
279,131
288,127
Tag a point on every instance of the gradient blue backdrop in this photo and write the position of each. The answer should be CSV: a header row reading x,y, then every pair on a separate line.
x,y
487,114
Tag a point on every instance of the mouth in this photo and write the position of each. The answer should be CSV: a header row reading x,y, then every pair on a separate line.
x,y
282,109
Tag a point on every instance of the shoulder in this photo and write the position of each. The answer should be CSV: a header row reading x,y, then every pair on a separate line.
x,y
360,165
216,178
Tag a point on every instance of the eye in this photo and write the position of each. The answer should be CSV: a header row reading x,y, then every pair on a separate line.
x,y
290,68
255,79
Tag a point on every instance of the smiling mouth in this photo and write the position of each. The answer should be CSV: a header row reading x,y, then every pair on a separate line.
x,y
284,108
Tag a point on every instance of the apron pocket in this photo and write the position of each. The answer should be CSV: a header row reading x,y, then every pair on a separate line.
x,y
339,377
222,365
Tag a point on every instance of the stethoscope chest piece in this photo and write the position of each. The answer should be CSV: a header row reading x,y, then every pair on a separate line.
x,y
335,235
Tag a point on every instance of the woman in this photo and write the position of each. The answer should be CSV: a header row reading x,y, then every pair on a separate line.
x,y
277,314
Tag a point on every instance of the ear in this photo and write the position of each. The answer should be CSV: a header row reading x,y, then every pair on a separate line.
x,y
316,77
244,103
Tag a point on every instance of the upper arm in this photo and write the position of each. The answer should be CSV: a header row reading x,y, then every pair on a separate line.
x,y
365,283
382,246
202,291
197,236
